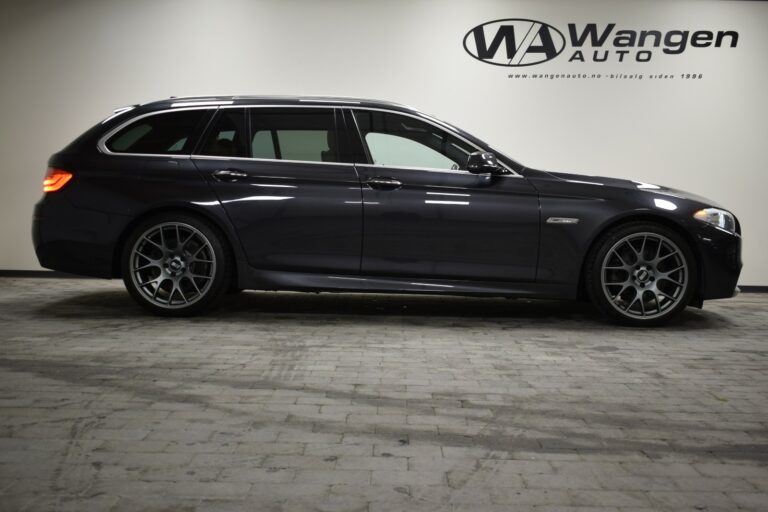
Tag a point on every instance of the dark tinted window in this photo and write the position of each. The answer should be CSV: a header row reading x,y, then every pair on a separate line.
x,y
307,134
403,141
167,133
228,135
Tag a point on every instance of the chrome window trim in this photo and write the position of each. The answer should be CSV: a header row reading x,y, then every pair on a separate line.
x,y
101,145
427,169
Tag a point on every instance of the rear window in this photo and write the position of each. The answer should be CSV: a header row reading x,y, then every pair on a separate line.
x,y
166,133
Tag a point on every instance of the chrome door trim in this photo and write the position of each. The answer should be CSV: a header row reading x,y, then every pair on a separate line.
x,y
271,160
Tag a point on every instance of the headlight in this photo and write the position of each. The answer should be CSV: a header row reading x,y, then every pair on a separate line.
x,y
718,218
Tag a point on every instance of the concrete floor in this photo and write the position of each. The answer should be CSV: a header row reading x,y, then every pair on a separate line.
x,y
375,403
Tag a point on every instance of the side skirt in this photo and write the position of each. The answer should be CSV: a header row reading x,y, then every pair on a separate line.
x,y
312,282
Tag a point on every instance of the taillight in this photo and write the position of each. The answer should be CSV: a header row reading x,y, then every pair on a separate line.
x,y
55,179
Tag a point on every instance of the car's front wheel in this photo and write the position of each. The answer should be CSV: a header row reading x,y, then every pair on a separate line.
x,y
641,274
175,264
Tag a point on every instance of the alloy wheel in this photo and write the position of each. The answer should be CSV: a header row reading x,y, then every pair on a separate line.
x,y
173,265
644,275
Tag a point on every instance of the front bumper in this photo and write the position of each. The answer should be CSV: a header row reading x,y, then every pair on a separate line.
x,y
720,263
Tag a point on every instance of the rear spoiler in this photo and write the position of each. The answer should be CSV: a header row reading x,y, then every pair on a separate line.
x,y
119,111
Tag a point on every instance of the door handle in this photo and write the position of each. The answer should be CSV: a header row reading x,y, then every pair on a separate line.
x,y
229,174
383,183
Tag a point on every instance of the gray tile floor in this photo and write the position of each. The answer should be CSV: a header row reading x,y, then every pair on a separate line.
x,y
375,403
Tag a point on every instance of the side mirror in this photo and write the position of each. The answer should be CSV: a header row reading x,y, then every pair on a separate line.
x,y
481,162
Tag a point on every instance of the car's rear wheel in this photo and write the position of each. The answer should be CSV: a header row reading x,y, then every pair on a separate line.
x,y
176,264
641,274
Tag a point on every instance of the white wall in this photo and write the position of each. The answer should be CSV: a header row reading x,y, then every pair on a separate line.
x,y
66,64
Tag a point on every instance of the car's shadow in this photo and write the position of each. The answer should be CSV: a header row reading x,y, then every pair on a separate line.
x,y
410,309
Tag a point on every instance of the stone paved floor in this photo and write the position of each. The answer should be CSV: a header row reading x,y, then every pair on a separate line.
x,y
374,403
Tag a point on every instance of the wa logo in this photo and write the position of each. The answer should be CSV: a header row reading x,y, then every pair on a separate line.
x,y
514,42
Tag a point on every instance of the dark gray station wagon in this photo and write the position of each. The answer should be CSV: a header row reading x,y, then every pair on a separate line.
x,y
188,198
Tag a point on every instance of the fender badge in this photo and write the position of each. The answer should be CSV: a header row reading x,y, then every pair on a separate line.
x,y
562,220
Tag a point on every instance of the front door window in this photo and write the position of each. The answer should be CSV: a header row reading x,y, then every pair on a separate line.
x,y
402,141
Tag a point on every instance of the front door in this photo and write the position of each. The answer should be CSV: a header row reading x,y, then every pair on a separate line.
x,y
425,216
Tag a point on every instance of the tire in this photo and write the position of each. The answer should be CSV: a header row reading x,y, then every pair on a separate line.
x,y
176,264
640,274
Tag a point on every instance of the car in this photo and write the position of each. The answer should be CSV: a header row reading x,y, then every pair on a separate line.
x,y
187,199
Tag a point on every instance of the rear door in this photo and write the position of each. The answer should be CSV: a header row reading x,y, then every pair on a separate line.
x,y
280,175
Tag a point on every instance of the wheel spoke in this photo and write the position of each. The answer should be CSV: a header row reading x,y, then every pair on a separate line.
x,y
670,272
177,286
153,243
658,260
192,280
184,243
160,282
151,264
618,295
672,281
171,294
666,295
658,302
150,281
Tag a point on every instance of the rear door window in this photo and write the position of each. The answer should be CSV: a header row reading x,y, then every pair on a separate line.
x,y
304,134
228,137
159,134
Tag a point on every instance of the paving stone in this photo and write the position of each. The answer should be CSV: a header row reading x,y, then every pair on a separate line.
x,y
283,401
335,477
208,489
698,500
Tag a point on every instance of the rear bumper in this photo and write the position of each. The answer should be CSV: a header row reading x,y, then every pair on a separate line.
x,y
720,261
74,240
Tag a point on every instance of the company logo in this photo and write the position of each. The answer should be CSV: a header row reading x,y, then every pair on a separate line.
x,y
521,42
514,42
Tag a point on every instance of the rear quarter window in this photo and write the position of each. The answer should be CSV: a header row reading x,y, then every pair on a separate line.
x,y
166,133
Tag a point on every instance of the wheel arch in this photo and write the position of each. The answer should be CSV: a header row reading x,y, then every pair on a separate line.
x,y
227,234
643,217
